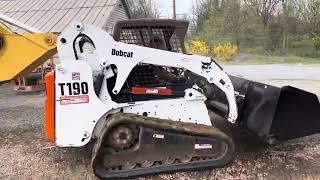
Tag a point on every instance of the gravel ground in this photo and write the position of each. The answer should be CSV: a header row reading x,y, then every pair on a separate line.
x,y
24,152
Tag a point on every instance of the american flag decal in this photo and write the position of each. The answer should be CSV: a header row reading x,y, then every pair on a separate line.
x,y
75,76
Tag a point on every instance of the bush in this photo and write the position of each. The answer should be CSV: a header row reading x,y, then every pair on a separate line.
x,y
225,51
198,47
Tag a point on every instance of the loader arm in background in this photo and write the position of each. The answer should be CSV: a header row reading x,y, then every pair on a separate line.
x,y
21,54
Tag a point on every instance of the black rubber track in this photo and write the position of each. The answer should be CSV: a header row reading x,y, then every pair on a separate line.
x,y
170,126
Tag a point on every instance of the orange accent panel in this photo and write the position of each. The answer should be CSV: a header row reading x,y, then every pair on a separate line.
x,y
152,91
50,107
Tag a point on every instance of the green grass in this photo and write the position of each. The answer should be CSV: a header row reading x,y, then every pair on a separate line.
x,y
261,59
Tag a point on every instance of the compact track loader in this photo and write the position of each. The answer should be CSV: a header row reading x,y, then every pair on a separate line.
x,y
144,102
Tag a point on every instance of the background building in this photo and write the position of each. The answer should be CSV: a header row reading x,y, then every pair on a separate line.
x,y
55,15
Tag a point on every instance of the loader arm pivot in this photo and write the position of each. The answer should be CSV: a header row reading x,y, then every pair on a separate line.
x,y
20,54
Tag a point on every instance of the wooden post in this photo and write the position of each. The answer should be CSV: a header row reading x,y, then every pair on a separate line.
x,y
174,10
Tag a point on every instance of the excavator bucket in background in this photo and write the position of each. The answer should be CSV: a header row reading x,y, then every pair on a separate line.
x,y
20,54
271,113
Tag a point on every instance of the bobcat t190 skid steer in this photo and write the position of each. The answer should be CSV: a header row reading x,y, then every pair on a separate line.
x,y
142,101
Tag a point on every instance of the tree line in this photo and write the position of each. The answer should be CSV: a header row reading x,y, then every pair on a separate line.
x,y
279,27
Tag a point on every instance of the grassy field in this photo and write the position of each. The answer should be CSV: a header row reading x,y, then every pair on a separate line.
x,y
261,59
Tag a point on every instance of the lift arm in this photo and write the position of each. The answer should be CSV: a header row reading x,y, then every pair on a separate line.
x,y
21,54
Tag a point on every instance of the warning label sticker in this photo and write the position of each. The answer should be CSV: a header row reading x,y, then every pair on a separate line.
x,y
202,146
75,76
66,100
158,136
152,91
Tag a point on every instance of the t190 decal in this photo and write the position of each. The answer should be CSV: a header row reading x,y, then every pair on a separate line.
x,y
75,88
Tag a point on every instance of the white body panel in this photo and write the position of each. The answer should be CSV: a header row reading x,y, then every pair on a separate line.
x,y
75,122
78,112
193,111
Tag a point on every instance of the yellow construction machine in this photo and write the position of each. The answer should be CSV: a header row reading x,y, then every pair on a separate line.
x,y
20,54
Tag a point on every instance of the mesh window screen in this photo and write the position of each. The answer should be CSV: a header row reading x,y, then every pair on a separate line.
x,y
159,37
153,36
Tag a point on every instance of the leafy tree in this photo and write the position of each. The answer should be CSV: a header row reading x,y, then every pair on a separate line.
x,y
264,8
142,9
313,18
234,23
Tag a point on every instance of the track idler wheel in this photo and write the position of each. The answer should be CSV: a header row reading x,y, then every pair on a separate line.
x,y
121,137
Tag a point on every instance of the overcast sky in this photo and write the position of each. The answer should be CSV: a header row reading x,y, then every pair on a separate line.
x,y
182,6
